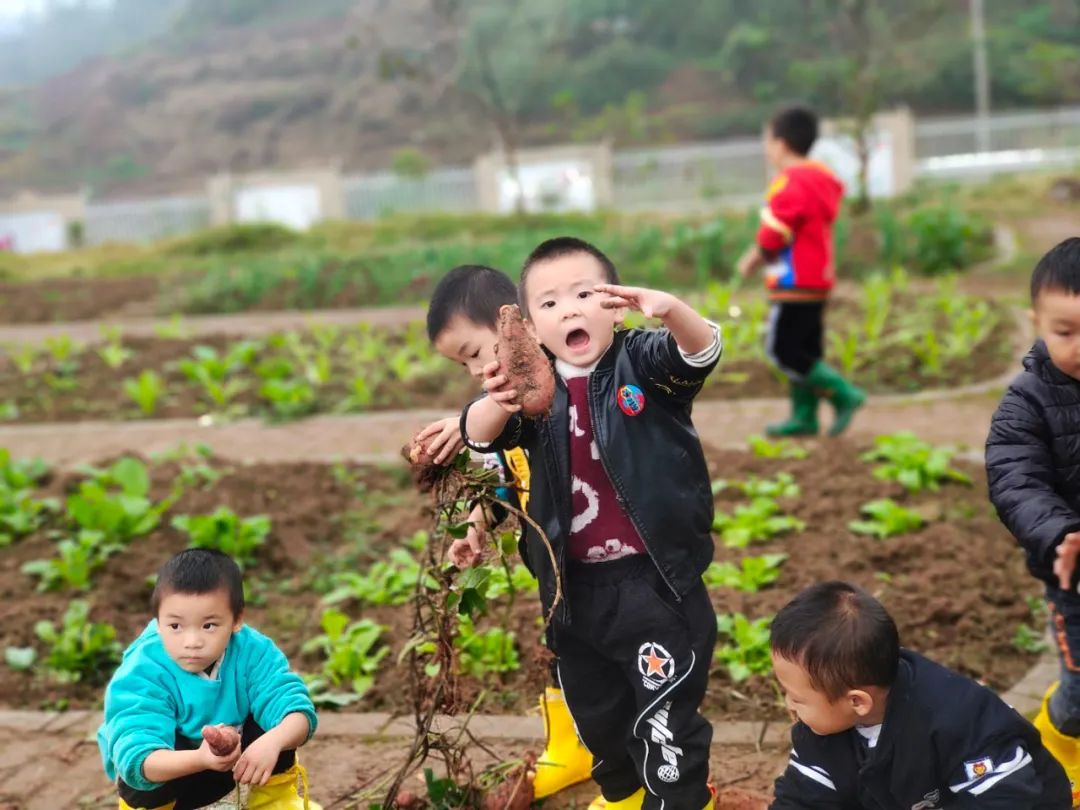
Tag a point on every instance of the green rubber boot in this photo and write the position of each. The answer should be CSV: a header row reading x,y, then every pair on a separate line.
x,y
845,397
803,419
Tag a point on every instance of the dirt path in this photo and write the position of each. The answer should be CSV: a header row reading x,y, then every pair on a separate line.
x,y
339,764
378,437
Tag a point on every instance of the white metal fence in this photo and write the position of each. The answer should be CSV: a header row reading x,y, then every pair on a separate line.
x,y
374,195
688,176
144,220
1016,142
684,177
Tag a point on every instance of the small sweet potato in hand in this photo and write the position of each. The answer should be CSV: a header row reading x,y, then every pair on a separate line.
x,y
524,363
221,739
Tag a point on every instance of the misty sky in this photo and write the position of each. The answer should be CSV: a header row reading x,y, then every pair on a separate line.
x,y
16,8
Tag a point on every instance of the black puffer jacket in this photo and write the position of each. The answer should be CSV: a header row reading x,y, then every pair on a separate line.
x,y
654,460
946,742
1033,460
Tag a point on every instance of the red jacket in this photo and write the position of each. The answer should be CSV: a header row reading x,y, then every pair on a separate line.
x,y
796,232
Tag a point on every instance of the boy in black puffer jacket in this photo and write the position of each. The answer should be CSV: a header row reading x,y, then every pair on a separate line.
x,y
1033,468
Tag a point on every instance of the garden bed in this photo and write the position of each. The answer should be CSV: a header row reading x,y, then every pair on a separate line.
x,y
75,299
957,586
889,338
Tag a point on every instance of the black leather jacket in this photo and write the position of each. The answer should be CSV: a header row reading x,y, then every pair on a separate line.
x,y
653,459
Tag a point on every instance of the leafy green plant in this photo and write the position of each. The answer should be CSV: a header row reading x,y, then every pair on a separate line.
x,y
352,654
79,650
493,651
75,562
1027,640
913,463
114,355
224,531
216,372
24,357
778,449
20,512
782,485
886,518
289,399
20,659
745,652
752,573
386,582
115,502
145,391
759,520
518,581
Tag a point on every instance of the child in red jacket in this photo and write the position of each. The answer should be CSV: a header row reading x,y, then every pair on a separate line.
x,y
794,243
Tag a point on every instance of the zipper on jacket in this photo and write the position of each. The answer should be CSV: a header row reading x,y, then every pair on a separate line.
x,y
619,496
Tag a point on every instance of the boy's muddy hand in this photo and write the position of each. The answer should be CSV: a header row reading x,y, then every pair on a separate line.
x,y
1065,564
498,391
650,303
466,552
445,439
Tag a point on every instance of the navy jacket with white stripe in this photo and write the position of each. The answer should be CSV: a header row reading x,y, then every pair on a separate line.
x,y
946,742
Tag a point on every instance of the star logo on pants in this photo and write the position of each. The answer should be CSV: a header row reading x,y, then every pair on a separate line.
x,y
655,664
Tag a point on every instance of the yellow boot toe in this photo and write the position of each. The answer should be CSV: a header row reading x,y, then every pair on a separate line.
x,y
1063,748
631,802
564,760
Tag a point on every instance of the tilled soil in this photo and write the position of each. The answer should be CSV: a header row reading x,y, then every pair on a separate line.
x,y
73,299
90,389
957,588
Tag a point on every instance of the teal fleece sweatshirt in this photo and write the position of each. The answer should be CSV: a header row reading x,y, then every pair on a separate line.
x,y
150,700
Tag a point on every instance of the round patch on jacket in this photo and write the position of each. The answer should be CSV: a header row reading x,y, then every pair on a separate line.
x,y
631,400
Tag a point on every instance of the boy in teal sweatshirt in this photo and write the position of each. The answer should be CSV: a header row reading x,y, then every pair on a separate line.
x,y
196,664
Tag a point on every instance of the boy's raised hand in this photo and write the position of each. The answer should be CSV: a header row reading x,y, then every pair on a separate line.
x,y
496,386
650,303
1065,564
446,441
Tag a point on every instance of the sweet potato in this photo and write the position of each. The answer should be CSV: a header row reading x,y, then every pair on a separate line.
x,y
221,739
515,792
524,363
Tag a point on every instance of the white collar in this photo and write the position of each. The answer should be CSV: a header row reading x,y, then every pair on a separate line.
x,y
571,372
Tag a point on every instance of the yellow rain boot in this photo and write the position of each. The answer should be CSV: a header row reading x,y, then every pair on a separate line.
x,y
631,802
564,761
125,806
1063,748
280,792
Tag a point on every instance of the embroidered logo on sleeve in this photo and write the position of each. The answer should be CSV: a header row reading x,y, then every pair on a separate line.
x,y
631,400
978,768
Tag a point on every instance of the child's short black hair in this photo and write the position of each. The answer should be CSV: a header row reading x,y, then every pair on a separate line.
x,y
1058,270
472,290
556,248
200,570
797,127
840,635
